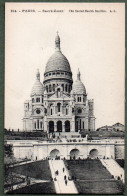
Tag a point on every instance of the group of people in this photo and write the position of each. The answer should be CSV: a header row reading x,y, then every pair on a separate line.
x,y
66,178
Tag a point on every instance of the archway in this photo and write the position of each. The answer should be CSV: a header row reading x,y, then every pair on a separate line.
x,y
54,153
59,126
74,154
51,126
67,126
93,154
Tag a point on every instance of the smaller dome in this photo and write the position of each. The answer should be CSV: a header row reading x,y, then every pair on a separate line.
x,y
78,87
37,87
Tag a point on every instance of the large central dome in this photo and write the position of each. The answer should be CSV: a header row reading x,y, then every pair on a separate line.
x,y
57,62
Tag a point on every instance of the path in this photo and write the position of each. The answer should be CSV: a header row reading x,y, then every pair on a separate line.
x,y
114,168
24,184
22,163
60,186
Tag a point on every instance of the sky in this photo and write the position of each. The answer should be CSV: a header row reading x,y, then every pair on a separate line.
x,y
93,40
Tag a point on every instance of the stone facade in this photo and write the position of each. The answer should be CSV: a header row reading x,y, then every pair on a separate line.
x,y
58,105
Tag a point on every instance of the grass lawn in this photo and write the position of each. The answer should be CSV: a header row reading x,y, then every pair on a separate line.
x,y
99,187
38,170
93,178
120,162
45,188
88,169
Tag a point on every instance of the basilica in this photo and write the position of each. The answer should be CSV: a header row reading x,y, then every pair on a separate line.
x,y
59,104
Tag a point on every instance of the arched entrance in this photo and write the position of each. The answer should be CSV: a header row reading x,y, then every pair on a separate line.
x,y
59,126
67,126
74,154
51,126
54,153
93,154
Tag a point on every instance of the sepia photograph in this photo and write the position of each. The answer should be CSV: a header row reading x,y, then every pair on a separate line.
x,y
64,130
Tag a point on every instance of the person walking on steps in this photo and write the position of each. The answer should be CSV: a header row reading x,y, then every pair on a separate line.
x,y
65,177
63,169
66,182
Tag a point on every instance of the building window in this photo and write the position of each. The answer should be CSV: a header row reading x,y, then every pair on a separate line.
x,y
76,126
58,106
63,86
33,100
41,125
42,99
35,125
58,92
83,125
51,111
38,111
79,99
37,99
53,87
79,110
80,123
38,124
50,88
66,88
47,89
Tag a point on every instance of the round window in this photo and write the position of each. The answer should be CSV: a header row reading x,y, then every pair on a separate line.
x,y
79,111
38,111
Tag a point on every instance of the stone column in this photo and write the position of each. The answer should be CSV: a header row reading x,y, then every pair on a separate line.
x,y
63,126
72,128
55,126
48,127
86,124
45,124
54,110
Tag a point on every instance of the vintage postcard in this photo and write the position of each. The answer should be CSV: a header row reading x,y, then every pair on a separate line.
x,y
64,98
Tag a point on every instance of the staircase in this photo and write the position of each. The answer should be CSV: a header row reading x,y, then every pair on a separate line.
x,y
114,168
60,186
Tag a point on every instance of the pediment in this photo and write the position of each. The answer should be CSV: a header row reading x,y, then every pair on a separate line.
x,y
54,96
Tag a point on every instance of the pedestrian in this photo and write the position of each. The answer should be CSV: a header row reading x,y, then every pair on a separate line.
x,y
66,182
63,169
65,177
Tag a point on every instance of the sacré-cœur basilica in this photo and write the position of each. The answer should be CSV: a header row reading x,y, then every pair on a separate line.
x,y
59,104
59,107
